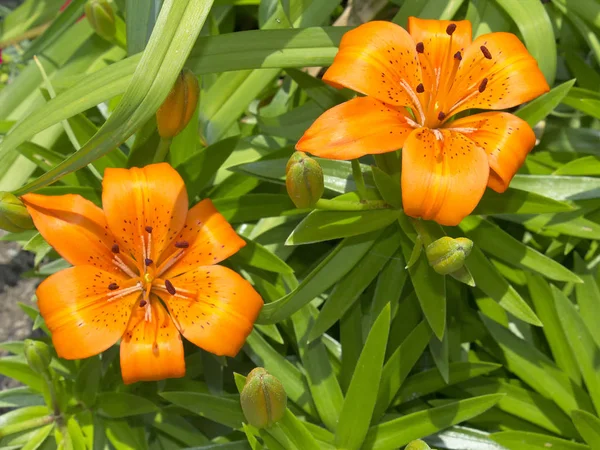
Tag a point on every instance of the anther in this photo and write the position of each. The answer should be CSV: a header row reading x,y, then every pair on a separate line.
x,y
115,248
148,229
185,244
420,47
441,116
483,85
170,288
143,303
458,56
113,286
485,52
420,88
148,261
451,29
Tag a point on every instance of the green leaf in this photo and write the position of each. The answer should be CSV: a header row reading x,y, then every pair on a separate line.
x,y
589,426
251,207
255,255
519,440
559,187
226,411
337,264
388,187
361,396
398,432
515,201
588,298
539,108
87,382
15,367
20,396
121,404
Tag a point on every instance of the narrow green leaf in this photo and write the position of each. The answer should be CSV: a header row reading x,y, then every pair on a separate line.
x,y
388,187
120,404
251,207
440,353
589,426
515,201
519,440
588,298
390,282
362,393
255,255
539,108
226,411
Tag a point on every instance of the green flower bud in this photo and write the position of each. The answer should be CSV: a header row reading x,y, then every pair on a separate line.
x,y
304,180
263,399
38,356
447,255
179,106
13,214
101,16
417,445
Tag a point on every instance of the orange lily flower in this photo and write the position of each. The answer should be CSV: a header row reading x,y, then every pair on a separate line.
x,y
143,251
414,82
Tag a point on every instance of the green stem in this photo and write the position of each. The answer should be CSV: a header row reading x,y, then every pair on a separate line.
x,y
359,179
426,237
334,205
161,151
26,425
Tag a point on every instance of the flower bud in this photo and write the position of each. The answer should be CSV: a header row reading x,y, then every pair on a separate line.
x,y
417,445
447,255
13,214
179,106
101,16
304,180
38,356
263,399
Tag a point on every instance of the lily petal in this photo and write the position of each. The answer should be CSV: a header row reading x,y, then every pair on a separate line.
x,y
444,175
151,349
496,72
205,239
143,202
378,59
77,306
75,227
214,308
361,126
506,138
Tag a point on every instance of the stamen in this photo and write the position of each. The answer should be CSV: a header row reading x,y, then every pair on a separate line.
x,y
485,52
113,286
124,267
185,244
458,56
123,292
148,261
148,229
115,248
143,303
451,29
441,116
413,96
169,263
420,47
483,85
420,90
170,288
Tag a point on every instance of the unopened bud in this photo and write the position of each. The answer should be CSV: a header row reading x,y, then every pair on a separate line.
x,y
179,106
263,399
447,255
13,214
101,16
417,445
38,356
304,180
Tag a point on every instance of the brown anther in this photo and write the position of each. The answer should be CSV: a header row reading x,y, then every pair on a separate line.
x,y
485,52
420,88
182,244
420,47
148,229
441,116
451,29
115,248
143,303
148,261
483,85
113,286
170,288
458,56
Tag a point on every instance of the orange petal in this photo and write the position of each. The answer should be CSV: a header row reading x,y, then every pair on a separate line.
x,y
512,74
378,59
214,308
135,199
444,175
77,307
361,126
206,238
506,139
151,349
75,227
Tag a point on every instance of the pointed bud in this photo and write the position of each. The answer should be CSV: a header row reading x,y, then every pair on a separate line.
x,y
263,399
179,106
447,255
304,180
13,214
101,16
417,445
38,356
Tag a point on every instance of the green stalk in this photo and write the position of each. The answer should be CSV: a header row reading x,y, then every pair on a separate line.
x,y
333,205
359,179
161,151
